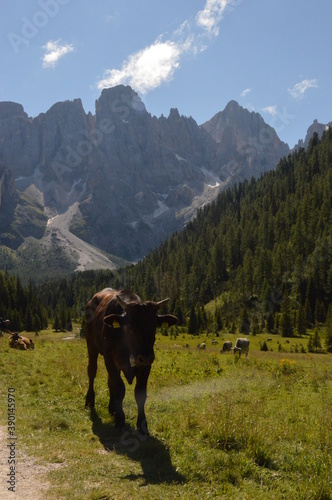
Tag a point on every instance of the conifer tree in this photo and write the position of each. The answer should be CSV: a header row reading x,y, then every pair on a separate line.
x,y
308,313
28,320
57,322
301,321
286,324
270,322
36,323
244,326
328,340
316,343
320,313
193,322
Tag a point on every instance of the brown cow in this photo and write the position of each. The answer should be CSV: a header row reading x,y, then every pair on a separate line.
x,y
122,328
18,342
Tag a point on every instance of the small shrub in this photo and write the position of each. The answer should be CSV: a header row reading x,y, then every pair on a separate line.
x,y
264,346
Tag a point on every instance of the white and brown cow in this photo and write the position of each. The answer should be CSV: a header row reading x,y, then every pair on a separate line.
x,y
242,346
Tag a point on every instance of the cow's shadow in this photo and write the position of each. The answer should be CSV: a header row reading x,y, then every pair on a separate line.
x,y
151,453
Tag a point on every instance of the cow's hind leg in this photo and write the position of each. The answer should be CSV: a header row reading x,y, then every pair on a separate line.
x,y
92,370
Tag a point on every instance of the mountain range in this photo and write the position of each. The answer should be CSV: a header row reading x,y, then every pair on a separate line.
x,y
96,191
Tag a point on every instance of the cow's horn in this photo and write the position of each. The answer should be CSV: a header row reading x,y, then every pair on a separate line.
x,y
121,302
162,302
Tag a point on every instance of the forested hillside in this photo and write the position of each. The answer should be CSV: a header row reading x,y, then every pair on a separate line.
x,y
259,257
264,247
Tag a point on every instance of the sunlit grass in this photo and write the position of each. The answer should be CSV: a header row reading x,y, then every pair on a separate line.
x,y
257,427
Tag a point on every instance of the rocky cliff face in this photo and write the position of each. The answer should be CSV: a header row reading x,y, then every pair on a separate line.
x,y
21,215
8,198
134,178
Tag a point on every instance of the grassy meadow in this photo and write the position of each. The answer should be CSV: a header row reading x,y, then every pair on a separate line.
x,y
221,426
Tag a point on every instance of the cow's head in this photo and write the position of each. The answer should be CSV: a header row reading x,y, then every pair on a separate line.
x,y
138,324
4,324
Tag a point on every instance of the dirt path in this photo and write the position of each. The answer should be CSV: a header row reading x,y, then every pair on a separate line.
x,y
29,477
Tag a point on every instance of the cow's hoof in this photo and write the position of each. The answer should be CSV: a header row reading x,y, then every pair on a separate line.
x,y
89,403
120,425
143,435
142,429
111,409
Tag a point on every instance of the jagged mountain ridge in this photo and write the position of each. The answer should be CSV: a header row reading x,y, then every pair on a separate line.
x,y
132,177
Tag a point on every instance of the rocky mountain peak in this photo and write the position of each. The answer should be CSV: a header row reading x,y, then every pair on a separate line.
x,y
64,108
240,120
10,109
314,127
119,100
246,144
173,114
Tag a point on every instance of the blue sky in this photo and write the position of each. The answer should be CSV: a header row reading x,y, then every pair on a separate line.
x,y
271,56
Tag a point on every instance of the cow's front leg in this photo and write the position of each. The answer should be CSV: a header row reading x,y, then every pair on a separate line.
x,y
117,393
92,370
140,396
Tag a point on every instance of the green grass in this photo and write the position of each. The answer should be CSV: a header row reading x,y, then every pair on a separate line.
x,y
222,427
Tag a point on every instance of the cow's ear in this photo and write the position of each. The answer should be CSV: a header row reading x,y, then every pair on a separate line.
x,y
114,321
166,320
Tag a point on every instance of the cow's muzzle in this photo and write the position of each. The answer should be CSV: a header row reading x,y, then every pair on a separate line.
x,y
141,360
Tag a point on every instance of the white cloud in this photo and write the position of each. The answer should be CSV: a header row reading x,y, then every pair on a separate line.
x,y
147,69
245,92
209,18
300,88
272,110
154,65
54,50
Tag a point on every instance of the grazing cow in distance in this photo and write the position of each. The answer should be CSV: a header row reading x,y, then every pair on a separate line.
x,y
202,346
242,346
227,346
4,324
18,342
122,328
